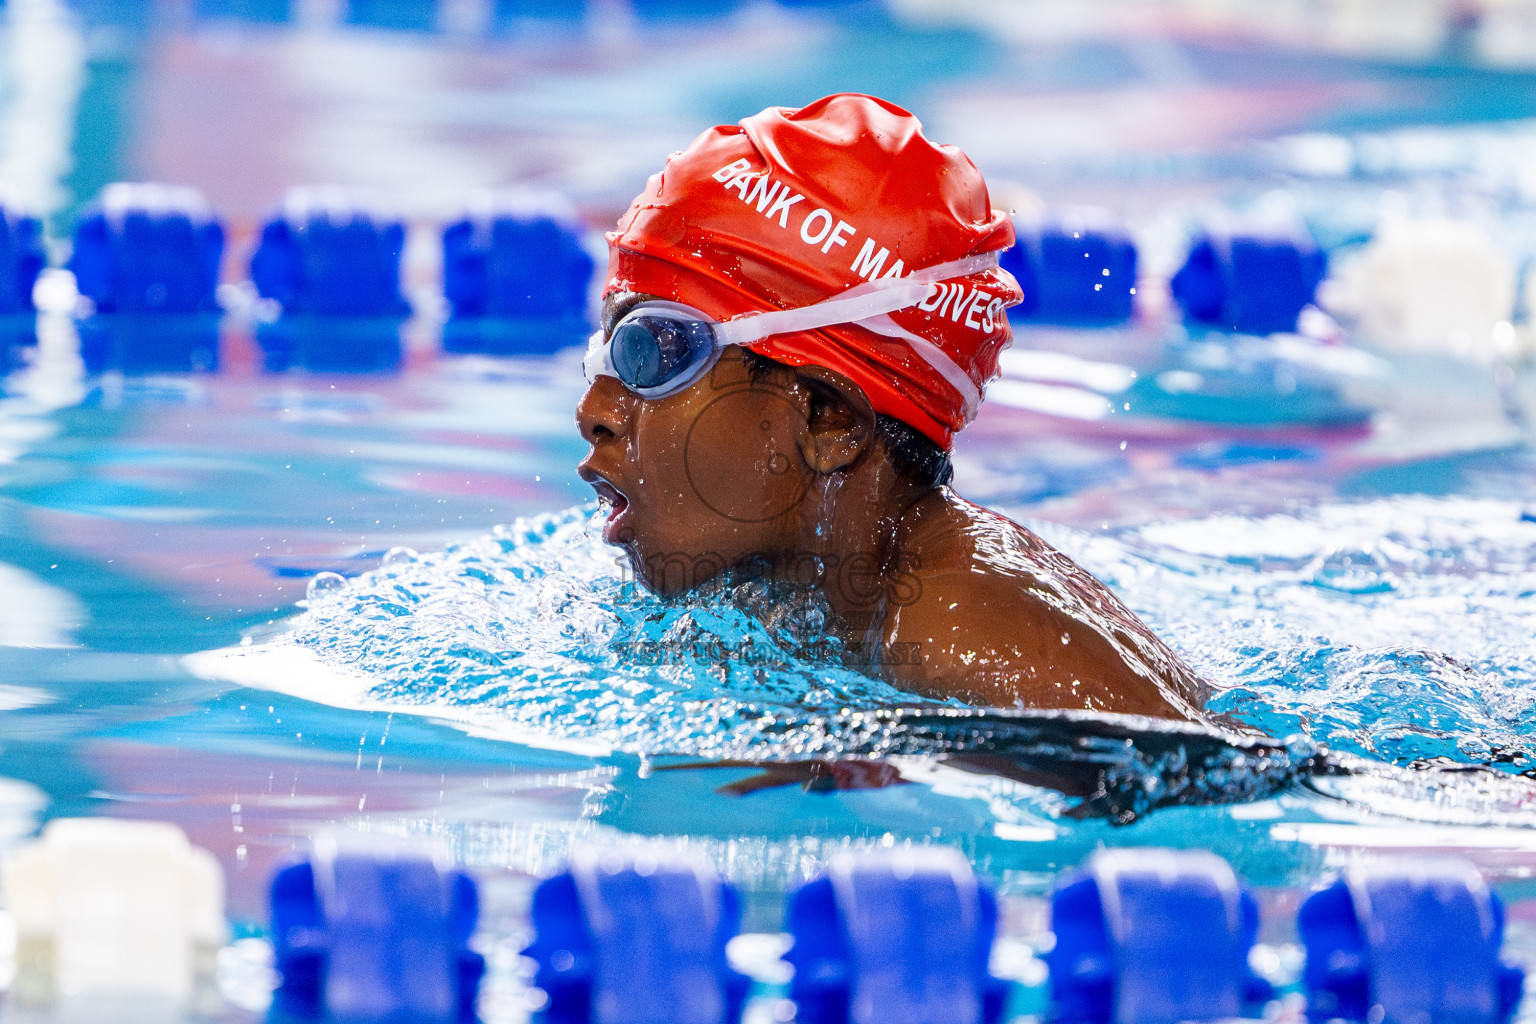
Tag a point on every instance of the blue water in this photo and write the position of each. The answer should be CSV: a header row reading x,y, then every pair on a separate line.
x,y
1399,628
161,655
1395,628
262,606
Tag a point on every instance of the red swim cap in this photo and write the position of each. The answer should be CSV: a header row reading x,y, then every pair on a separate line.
x,y
791,207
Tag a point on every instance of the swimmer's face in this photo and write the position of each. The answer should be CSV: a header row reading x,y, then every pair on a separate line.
x,y
701,480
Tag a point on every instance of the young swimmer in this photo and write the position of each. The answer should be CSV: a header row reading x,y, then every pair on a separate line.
x,y
801,311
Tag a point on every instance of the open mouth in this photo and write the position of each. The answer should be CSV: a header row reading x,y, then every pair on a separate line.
x,y
617,505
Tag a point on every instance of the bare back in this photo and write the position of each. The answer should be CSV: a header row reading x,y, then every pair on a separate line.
x,y
998,616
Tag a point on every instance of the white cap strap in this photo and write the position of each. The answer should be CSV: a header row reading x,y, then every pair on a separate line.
x,y
934,356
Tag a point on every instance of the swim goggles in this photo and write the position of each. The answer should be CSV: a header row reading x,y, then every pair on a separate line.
x,y
659,348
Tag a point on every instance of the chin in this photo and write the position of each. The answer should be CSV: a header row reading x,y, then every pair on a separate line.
x,y
666,585
668,571
659,589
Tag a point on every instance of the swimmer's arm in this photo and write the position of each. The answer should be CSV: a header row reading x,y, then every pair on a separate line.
x,y
989,639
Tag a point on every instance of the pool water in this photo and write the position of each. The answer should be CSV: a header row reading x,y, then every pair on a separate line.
x,y
260,605
1397,628
263,605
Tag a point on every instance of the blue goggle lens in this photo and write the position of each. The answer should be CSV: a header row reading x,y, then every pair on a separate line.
x,y
648,351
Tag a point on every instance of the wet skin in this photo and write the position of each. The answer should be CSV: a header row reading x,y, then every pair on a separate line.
x,y
786,476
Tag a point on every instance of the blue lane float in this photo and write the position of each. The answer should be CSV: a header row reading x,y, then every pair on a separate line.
x,y
627,937
1406,943
684,10
330,261
1153,937
516,275
147,257
1249,278
509,15
895,937
376,933
1076,268
21,261
271,12
400,15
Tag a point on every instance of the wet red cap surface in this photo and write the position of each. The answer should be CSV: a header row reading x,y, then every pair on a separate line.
x,y
791,207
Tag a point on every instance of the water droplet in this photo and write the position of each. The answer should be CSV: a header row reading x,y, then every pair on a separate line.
x,y
324,583
399,555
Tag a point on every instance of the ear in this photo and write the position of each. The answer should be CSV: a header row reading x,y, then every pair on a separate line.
x,y
840,419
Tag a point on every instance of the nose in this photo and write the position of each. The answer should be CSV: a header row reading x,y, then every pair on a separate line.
x,y
605,411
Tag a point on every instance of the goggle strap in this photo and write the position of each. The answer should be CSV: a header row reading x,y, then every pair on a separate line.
x,y
934,356
860,302
963,267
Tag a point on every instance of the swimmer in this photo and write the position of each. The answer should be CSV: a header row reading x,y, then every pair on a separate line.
x,y
801,312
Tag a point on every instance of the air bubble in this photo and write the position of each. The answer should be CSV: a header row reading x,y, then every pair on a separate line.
x,y
324,583
400,555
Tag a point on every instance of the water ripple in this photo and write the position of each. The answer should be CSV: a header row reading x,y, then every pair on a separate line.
x,y
1402,628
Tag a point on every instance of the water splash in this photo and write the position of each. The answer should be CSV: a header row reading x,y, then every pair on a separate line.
x,y
1401,629
536,625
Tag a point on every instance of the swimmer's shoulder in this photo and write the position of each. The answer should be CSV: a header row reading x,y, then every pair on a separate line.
x,y
987,638
998,616
943,524
943,531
